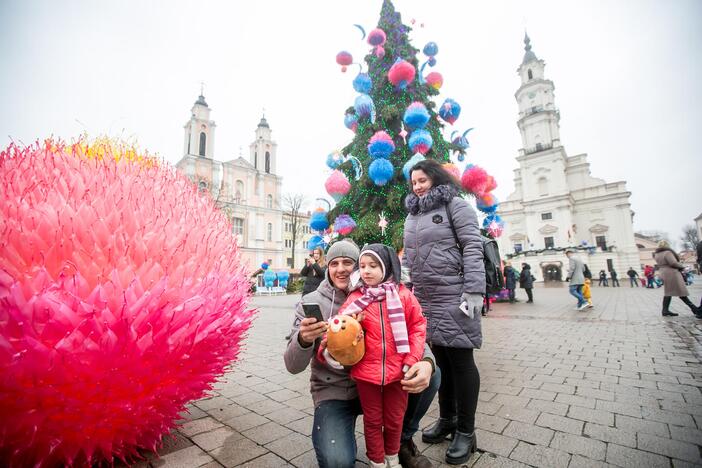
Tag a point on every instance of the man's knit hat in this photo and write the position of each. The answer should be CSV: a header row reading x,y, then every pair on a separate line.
x,y
343,248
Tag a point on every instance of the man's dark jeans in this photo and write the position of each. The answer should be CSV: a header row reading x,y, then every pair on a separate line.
x,y
333,432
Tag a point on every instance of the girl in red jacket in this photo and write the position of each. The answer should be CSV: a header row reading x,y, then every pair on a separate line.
x,y
394,330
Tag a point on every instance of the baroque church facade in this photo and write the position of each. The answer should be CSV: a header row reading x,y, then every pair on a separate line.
x,y
556,203
248,190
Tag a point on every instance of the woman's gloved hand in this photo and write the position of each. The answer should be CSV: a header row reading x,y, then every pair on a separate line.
x,y
472,304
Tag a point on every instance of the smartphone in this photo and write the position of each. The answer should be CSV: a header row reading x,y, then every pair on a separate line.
x,y
313,310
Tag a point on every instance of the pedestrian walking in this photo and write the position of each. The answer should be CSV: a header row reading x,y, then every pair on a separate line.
x,y
576,276
650,274
614,276
633,277
603,279
526,282
510,275
669,269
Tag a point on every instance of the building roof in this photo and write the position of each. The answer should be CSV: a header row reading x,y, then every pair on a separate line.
x,y
201,101
529,55
263,122
698,217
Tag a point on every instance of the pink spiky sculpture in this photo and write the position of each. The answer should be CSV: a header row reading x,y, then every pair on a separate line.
x,y
122,298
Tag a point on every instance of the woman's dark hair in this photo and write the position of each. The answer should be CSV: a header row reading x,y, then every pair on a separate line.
x,y
437,174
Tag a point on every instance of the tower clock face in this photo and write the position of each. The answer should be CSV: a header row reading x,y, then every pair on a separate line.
x,y
531,94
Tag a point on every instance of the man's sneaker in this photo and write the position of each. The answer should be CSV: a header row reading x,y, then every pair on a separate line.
x,y
583,307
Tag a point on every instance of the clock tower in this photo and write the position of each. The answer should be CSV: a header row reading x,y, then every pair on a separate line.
x,y
538,115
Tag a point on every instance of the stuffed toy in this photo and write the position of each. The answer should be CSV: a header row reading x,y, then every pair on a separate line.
x,y
345,340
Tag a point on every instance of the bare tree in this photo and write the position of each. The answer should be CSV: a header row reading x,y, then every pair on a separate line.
x,y
689,237
293,207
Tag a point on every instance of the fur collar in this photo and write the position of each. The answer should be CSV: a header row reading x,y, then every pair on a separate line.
x,y
437,196
668,249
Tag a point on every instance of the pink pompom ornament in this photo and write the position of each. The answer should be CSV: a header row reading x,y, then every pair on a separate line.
x,y
401,74
474,180
337,185
344,59
122,298
452,169
435,80
344,224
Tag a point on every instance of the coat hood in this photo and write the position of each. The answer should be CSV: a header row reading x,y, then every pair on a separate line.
x,y
388,258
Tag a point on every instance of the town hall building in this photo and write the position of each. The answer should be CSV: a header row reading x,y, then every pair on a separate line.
x,y
556,203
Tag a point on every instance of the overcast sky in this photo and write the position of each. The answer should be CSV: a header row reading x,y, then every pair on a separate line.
x,y
628,80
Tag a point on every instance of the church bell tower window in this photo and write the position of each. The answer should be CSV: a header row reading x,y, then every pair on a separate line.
x,y
203,143
268,162
530,75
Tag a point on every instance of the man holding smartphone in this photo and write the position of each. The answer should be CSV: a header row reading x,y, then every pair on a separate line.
x,y
334,393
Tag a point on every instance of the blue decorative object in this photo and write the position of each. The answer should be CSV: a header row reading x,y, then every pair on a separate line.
x,y
364,107
416,116
351,121
264,266
381,145
450,110
319,221
269,278
362,83
381,171
314,242
334,160
283,277
420,141
487,204
490,218
430,49
410,164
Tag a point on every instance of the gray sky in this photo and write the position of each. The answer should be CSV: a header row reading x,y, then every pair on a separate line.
x,y
627,76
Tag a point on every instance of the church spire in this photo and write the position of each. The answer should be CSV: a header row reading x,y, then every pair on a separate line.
x,y
528,54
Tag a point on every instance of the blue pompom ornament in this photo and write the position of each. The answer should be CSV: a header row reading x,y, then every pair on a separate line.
x,y
416,115
430,49
319,221
283,278
381,171
351,121
450,110
334,160
381,145
410,164
364,107
363,83
420,141
264,266
269,278
314,242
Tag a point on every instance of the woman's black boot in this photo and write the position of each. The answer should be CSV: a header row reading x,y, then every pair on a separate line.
x,y
439,431
461,448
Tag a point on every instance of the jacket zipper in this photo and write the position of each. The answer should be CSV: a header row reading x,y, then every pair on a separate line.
x,y
382,332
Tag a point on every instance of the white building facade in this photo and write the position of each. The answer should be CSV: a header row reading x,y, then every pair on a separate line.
x,y
249,191
556,202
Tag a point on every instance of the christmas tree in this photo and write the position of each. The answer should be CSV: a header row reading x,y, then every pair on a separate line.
x,y
396,124
366,200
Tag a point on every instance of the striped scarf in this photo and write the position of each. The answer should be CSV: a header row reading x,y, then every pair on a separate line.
x,y
396,313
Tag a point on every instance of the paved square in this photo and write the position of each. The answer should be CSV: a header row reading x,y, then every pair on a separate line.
x,y
616,385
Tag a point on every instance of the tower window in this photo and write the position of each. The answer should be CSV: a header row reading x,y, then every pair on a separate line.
x,y
203,143
256,160
268,162
530,75
238,226
239,191
548,242
546,216
543,186
601,242
270,232
269,201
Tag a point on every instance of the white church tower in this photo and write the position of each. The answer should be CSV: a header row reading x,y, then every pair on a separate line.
x,y
199,131
556,202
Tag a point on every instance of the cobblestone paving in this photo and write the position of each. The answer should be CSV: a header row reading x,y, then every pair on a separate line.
x,y
617,385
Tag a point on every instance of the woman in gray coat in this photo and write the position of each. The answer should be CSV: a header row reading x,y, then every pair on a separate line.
x,y
669,269
444,255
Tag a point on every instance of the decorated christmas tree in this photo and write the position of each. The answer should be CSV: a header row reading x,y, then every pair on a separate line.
x,y
396,124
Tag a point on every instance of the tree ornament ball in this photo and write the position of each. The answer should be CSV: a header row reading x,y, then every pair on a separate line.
x,y
122,298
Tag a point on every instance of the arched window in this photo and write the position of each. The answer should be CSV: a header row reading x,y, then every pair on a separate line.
x,y
238,191
269,201
203,143
202,186
268,162
543,186
256,160
270,232
530,75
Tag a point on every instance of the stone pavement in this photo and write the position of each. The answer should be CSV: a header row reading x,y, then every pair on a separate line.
x,y
617,385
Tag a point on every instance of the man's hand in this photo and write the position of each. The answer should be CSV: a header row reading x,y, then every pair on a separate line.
x,y
310,330
417,377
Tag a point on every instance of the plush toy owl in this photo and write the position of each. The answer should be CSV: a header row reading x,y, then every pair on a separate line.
x,y
345,340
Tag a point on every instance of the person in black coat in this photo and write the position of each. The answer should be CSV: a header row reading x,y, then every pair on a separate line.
x,y
526,281
603,279
615,278
510,280
313,271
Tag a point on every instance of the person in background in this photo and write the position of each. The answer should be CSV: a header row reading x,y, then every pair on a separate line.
x,y
669,269
615,280
587,292
650,274
313,271
633,277
526,282
586,272
576,276
603,279
510,275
